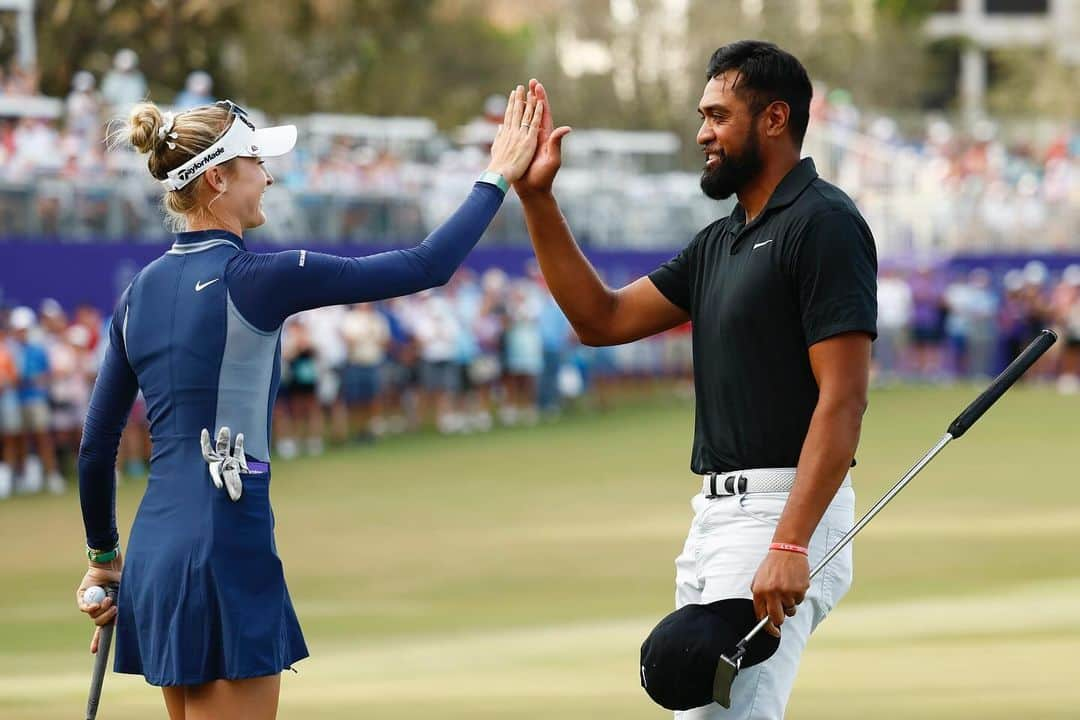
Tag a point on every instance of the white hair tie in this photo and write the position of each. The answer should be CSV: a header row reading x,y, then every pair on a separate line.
x,y
167,121
165,131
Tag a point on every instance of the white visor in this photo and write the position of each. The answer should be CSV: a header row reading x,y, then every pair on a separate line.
x,y
240,140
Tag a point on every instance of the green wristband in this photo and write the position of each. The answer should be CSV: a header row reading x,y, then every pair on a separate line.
x,y
495,179
102,556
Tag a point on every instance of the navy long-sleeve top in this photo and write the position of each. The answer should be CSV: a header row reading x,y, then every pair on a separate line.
x,y
198,331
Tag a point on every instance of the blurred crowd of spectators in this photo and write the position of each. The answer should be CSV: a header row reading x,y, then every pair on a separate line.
x,y
936,325
494,350
48,362
34,144
482,351
937,188
924,185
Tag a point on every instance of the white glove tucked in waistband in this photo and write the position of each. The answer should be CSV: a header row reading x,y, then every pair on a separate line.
x,y
225,469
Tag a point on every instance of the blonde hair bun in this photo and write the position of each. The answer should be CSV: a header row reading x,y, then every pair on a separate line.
x,y
143,124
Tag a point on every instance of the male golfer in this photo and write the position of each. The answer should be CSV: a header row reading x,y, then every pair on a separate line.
x,y
782,296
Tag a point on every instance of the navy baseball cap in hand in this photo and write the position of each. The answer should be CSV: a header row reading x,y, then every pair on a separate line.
x,y
680,656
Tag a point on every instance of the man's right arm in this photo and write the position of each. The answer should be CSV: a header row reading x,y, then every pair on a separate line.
x,y
599,315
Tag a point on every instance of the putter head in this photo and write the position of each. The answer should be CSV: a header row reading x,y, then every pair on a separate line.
x,y
726,670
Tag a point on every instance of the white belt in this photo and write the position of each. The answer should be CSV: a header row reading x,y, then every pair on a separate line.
x,y
740,482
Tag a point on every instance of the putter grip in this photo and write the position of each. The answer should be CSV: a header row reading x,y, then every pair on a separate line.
x,y
1002,382
101,661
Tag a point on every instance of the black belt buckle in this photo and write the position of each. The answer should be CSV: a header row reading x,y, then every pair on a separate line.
x,y
733,485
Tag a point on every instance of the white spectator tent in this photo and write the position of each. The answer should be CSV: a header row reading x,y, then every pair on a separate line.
x,y
404,137
478,132
26,57
648,151
26,41
32,107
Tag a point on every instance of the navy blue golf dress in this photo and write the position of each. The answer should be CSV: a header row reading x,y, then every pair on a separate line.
x,y
203,594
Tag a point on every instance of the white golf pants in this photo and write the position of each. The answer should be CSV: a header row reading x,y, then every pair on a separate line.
x,y
729,537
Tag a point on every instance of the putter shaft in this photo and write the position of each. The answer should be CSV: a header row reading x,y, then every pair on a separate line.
x,y
878,507
101,661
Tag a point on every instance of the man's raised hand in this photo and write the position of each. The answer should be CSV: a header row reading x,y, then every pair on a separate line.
x,y
545,164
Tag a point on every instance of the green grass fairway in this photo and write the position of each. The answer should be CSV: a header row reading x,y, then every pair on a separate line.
x,y
514,574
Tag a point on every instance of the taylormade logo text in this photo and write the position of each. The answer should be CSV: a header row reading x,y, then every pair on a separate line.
x,y
191,171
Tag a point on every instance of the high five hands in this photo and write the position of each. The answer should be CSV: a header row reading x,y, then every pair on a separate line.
x,y
527,150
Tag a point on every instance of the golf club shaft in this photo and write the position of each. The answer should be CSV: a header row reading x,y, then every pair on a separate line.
x,y
101,661
958,427
878,506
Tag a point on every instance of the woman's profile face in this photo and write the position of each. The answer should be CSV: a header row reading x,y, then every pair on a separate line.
x,y
253,180
245,181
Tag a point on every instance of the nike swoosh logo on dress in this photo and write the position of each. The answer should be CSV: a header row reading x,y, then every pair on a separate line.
x,y
199,286
757,245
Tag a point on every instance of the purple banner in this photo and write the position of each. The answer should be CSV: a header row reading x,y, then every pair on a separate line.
x,y
97,273
999,263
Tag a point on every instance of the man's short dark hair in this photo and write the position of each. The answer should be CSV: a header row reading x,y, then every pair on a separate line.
x,y
767,74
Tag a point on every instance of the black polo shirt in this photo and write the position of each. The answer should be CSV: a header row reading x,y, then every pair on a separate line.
x,y
759,296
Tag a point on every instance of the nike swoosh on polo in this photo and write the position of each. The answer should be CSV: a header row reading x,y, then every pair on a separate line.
x,y
757,245
199,286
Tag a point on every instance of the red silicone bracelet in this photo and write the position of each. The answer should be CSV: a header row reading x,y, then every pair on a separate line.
x,y
787,547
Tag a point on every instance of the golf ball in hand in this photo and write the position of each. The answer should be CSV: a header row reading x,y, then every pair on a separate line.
x,y
93,595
